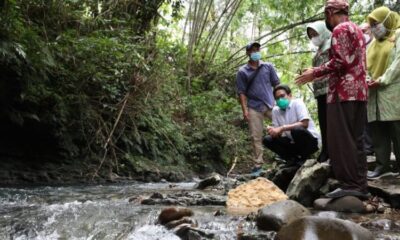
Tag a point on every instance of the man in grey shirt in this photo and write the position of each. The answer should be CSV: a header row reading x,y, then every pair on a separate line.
x,y
293,135
255,82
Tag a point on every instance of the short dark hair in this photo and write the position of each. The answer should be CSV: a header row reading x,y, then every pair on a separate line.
x,y
251,45
284,87
343,12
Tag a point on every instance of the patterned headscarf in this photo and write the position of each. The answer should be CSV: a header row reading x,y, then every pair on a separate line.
x,y
334,6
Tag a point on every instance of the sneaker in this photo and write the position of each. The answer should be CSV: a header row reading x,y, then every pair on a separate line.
x,y
375,176
338,193
256,171
380,173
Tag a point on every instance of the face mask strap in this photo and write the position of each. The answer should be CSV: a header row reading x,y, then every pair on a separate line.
x,y
387,16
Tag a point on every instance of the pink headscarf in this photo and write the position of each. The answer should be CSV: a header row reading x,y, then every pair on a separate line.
x,y
334,6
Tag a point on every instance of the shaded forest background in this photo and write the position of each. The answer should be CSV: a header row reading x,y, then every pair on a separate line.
x,y
100,89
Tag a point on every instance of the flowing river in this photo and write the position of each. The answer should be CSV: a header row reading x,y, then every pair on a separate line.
x,y
105,212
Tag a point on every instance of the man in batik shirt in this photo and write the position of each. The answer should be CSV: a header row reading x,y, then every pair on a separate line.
x,y
347,98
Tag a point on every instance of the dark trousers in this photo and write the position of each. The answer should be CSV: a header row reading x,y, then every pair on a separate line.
x,y
368,146
304,144
384,133
346,122
322,105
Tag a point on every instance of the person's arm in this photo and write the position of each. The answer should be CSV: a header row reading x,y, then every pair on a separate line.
x,y
273,76
303,123
277,131
243,103
241,85
273,130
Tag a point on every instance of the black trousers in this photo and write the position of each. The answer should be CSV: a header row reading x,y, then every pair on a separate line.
x,y
346,123
322,105
304,144
368,146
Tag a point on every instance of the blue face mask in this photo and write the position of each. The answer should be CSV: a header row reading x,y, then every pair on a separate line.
x,y
255,56
282,103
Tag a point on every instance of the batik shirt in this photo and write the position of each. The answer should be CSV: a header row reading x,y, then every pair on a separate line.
x,y
347,65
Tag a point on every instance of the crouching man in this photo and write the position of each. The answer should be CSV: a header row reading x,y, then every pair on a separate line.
x,y
293,135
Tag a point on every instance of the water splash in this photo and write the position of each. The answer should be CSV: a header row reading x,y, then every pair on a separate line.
x,y
152,232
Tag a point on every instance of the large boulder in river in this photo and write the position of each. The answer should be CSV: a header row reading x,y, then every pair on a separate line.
x,y
172,214
311,227
187,232
307,182
212,180
276,215
253,195
347,204
284,176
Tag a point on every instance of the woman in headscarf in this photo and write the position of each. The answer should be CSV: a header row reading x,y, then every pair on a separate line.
x,y
320,37
384,90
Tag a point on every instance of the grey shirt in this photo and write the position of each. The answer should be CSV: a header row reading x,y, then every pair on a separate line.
x,y
295,112
259,95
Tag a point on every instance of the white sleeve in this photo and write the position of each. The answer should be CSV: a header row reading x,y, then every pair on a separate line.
x,y
301,110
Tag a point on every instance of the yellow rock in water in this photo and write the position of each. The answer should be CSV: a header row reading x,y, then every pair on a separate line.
x,y
253,195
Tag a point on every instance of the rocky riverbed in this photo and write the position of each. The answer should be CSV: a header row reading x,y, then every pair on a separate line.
x,y
198,209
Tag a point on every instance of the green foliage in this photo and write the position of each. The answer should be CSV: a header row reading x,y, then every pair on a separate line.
x,y
108,80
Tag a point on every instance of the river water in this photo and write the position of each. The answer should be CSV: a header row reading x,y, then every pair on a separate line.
x,y
97,212
105,212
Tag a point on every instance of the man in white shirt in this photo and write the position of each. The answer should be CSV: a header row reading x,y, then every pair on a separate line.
x,y
293,135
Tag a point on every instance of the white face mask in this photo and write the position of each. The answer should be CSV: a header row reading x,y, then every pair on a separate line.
x,y
379,30
317,41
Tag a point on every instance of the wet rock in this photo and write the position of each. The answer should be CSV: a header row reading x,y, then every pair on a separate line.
x,y
246,177
187,199
218,213
328,214
323,229
253,195
230,183
257,236
210,200
276,215
171,214
387,189
165,201
369,208
284,176
251,217
348,204
186,232
305,185
136,199
184,220
382,224
156,195
213,180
